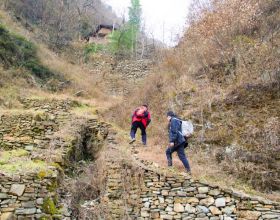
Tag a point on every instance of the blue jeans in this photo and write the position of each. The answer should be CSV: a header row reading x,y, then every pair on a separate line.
x,y
181,154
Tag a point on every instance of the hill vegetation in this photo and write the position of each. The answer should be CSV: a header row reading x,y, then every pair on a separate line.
x,y
224,75
18,52
61,21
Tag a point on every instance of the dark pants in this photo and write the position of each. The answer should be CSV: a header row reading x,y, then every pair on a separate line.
x,y
181,154
135,125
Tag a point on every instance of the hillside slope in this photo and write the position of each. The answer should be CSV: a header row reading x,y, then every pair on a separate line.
x,y
224,76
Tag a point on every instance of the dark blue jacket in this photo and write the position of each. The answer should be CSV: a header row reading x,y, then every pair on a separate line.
x,y
174,132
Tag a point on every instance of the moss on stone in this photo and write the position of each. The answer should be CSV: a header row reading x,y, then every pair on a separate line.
x,y
49,206
21,164
6,156
85,110
41,174
57,166
53,186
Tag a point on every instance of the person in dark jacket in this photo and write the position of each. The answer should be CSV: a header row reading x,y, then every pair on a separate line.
x,y
141,118
177,141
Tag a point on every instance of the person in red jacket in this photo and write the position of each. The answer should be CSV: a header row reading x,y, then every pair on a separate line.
x,y
141,118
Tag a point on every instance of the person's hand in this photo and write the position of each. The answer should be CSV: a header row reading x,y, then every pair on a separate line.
x,y
171,144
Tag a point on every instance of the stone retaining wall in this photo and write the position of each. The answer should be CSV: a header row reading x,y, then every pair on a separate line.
x,y
136,69
53,136
27,196
179,197
26,130
151,194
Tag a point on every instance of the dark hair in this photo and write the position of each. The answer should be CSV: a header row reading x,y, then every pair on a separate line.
x,y
171,114
145,105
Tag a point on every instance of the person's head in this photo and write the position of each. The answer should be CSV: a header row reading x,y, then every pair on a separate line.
x,y
145,107
170,115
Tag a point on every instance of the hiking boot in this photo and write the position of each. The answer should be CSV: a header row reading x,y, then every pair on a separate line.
x,y
132,140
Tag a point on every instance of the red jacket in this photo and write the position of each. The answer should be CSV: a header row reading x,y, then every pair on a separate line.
x,y
142,116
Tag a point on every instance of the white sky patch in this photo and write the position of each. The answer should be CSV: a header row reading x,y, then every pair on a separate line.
x,y
163,19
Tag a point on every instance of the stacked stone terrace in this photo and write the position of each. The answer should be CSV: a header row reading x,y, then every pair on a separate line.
x,y
29,181
33,127
179,197
143,191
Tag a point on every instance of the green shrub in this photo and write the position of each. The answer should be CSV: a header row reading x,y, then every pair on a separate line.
x,y
123,41
15,51
93,48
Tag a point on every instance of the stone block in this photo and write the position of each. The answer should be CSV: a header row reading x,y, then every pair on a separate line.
x,y
214,210
181,193
29,204
39,201
146,204
229,210
7,216
202,209
17,189
169,209
166,217
178,207
161,200
203,190
249,215
4,196
220,202
154,215
164,192
207,202
271,216
214,192
193,200
189,209
144,214
27,211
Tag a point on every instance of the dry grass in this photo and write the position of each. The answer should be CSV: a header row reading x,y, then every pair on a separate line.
x,y
81,78
89,185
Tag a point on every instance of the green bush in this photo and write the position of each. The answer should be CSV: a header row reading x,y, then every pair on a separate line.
x,y
93,48
15,51
49,206
123,40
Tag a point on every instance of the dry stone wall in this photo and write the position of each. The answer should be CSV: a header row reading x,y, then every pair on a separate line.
x,y
152,193
133,69
53,136
27,196
35,126
179,197
26,130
